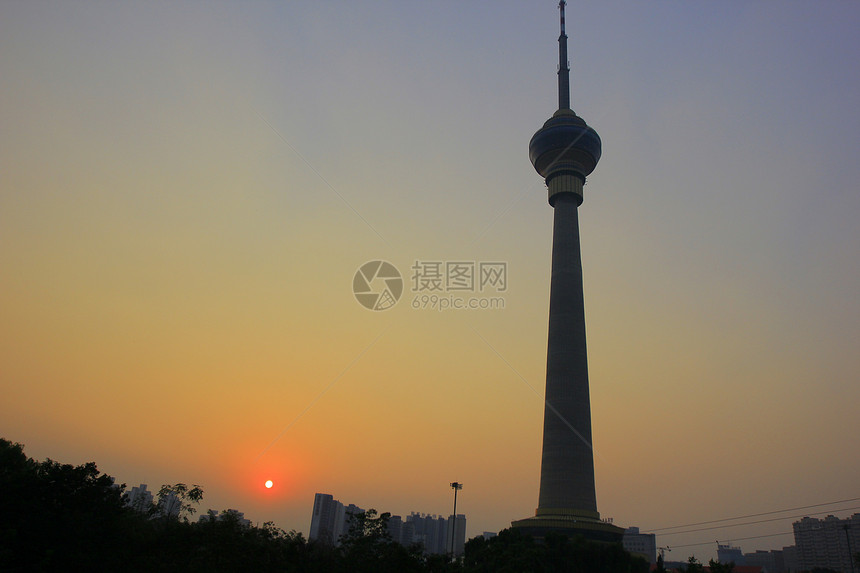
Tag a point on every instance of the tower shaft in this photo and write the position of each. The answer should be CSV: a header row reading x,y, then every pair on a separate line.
x,y
567,463
567,502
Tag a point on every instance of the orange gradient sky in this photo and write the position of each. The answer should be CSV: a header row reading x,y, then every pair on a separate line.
x,y
186,191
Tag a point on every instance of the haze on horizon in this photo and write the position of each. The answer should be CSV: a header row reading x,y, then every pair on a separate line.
x,y
186,192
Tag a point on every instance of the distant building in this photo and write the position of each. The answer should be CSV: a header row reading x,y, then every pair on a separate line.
x,y
407,533
682,566
790,560
489,535
457,531
139,498
330,520
210,515
344,521
213,515
429,531
729,554
644,544
827,543
770,561
169,505
240,516
395,528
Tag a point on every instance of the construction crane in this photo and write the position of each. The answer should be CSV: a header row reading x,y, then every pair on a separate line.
x,y
660,558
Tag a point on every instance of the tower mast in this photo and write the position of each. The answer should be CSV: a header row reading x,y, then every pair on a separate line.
x,y
563,65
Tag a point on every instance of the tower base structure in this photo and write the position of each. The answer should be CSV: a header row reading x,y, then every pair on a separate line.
x,y
569,522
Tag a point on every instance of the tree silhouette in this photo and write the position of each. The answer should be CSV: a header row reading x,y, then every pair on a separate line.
x,y
368,546
694,565
177,501
511,551
60,517
717,567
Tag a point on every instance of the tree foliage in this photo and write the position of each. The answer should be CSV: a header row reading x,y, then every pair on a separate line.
x,y
511,551
717,567
694,566
367,546
56,514
59,517
177,501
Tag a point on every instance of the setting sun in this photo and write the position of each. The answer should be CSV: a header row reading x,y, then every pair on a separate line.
x,y
269,484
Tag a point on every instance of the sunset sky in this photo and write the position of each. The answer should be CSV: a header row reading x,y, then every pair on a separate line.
x,y
188,188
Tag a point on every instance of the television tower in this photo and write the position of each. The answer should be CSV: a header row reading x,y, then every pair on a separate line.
x,y
564,151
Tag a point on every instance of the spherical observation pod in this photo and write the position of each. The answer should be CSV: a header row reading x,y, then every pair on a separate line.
x,y
565,145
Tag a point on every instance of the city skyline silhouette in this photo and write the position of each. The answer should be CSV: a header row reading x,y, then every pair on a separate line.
x,y
187,193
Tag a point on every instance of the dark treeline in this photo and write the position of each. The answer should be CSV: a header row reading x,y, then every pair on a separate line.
x,y
59,517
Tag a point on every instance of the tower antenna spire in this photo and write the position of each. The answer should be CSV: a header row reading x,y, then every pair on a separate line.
x,y
563,64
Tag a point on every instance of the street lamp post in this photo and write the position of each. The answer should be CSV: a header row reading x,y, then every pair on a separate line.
x,y
457,486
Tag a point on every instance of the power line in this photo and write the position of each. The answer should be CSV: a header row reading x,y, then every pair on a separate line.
x,y
755,515
758,521
735,539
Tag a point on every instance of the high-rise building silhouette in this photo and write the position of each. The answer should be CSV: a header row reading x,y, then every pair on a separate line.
x,y
139,498
772,561
212,516
564,151
456,534
827,543
330,520
433,533
644,544
726,553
